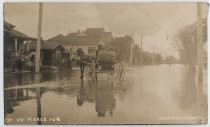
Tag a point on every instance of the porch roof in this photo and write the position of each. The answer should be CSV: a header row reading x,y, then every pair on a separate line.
x,y
10,31
15,33
8,26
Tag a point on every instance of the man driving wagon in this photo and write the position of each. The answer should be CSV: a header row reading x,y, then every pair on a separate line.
x,y
103,62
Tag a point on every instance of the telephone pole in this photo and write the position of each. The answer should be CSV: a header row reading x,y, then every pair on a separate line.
x,y
141,51
131,53
38,44
161,59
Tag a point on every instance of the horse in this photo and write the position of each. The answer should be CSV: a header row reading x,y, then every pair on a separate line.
x,y
84,60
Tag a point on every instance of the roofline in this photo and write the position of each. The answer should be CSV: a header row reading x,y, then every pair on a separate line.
x,y
9,24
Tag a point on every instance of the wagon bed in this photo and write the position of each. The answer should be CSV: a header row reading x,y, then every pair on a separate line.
x,y
117,73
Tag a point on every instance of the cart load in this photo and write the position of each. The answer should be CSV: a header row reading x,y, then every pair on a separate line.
x,y
106,58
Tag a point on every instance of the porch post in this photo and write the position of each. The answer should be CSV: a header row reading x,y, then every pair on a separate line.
x,y
27,44
16,47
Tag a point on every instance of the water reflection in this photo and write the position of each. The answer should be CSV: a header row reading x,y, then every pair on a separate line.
x,y
193,97
13,98
38,96
105,100
9,101
100,93
143,97
14,79
189,97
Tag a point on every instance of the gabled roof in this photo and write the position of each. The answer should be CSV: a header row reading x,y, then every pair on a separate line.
x,y
82,34
48,45
10,31
107,33
59,39
85,40
15,33
94,31
91,36
71,37
8,26
71,34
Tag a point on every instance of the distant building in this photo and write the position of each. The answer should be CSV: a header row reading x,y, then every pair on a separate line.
x,y
100,32
60,39
88,39
51,54
87,43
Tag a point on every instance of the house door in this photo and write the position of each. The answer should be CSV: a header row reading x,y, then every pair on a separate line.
x,y
47,58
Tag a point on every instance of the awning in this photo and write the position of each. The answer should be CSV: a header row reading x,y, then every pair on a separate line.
x,y
15,33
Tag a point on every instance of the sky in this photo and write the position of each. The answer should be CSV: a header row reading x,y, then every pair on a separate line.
x,y
156,22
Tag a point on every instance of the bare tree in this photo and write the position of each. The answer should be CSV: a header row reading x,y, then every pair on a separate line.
x,y
186,42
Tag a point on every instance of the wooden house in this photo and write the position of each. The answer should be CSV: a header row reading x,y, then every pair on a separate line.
x,y
15,44
51,54
88,40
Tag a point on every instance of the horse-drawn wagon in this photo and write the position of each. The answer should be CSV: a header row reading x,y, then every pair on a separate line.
x,y
103,66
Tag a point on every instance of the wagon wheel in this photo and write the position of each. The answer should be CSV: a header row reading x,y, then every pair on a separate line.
x,y
120,74
122,77
94,70
91,71
88,72
110,75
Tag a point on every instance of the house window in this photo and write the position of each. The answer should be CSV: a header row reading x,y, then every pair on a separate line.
x,y
58,54
10,46
92,51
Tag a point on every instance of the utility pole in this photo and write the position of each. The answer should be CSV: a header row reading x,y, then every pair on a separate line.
x,y
131,53
161,59
141,51
38,44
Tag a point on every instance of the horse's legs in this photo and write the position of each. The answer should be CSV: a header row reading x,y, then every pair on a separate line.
x,y
82,69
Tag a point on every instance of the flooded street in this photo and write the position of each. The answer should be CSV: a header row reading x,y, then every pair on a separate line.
x,y
149,94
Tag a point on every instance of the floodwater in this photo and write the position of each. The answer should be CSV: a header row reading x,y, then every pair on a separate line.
x,y
160,94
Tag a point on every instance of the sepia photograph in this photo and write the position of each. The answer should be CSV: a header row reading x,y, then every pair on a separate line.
x,y
89,63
